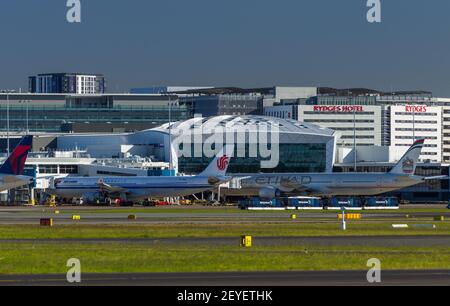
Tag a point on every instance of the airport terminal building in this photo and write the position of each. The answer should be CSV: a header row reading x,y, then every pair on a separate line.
x,y
88,113
314,133
298,147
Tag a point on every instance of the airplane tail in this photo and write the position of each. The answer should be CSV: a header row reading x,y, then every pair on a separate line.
x,y
219,166
408,163
16,161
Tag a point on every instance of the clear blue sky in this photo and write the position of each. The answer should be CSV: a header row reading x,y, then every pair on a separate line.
x,y
231,43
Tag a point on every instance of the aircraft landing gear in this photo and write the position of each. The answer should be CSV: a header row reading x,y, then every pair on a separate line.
x,y
325,203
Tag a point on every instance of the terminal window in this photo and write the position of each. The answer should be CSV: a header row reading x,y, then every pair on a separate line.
x,y
48,169
302,158
68,169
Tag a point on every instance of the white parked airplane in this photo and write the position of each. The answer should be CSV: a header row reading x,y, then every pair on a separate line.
x,y
143,188
12,169
269,186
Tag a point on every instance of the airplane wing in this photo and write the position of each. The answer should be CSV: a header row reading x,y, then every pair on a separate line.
x,y
110,189
9,179
214,180
440,177
14,179
287,184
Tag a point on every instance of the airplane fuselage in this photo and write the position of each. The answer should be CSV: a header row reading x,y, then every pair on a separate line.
x,y
330,184
133,188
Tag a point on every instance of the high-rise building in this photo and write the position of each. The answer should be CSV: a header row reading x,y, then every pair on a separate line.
x,y
412,122
377,119
67,83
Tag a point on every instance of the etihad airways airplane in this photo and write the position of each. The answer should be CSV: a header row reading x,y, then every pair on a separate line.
x,y
145,187
12,169
270,186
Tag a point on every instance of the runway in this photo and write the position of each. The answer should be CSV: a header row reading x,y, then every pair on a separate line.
x,y
381,241
238,279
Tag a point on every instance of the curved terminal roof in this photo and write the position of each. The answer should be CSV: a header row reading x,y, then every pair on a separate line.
x,y
249,122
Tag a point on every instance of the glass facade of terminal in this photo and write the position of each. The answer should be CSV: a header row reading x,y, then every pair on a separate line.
x,y
301,158
50,118
217,105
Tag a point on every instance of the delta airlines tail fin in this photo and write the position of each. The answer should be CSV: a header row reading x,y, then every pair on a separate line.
x,y
16,161
407,165
219,166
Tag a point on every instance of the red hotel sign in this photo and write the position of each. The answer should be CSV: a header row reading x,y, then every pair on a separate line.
x,y
415,108
338,108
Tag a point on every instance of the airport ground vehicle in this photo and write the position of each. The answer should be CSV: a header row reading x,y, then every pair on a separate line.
x,y
348,202
380,202
185,202
318,203
257,202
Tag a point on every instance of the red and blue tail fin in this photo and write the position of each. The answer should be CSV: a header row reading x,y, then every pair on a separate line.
x,y
16,161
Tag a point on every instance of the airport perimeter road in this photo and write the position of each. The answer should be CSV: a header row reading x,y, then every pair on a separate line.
x,y
247,279
382,241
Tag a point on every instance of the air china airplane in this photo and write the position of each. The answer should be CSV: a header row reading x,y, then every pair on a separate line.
x,y
12,169
269,186
143,188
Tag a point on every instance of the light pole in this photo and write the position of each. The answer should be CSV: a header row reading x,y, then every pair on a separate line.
x,y
414,123
7,118
7,122
352,101
27,105
354,136
170,136
7,128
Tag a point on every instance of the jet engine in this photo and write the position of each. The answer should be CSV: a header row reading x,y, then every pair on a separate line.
x,y
269,193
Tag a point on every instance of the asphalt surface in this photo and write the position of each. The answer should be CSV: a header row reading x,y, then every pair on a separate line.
x,y
31,215
326,278
238,279
382,241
